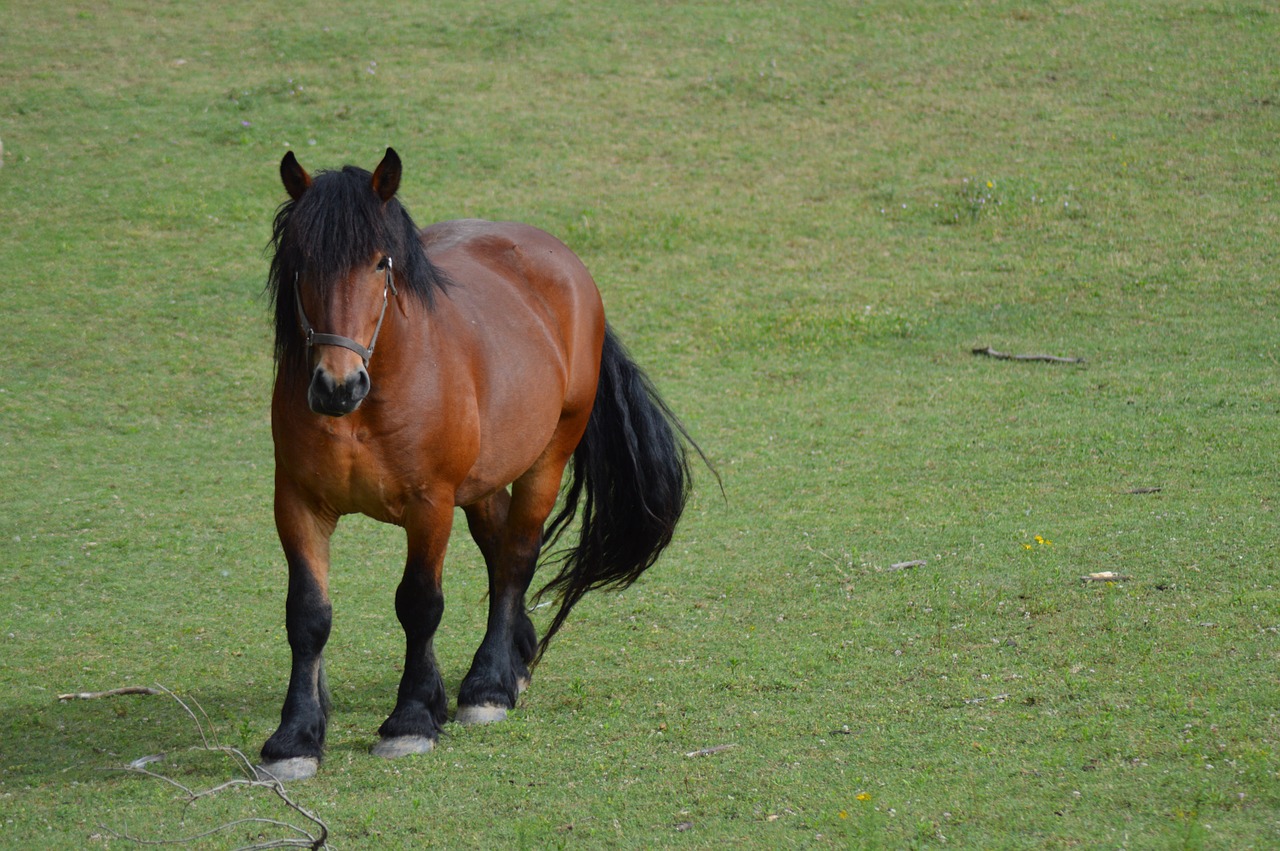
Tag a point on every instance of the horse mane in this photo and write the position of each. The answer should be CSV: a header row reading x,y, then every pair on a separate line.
x,y
339,223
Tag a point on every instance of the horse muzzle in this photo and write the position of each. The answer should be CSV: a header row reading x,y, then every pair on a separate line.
x,y
333,398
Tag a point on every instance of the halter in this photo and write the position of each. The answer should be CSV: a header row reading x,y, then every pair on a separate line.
x,y
317,339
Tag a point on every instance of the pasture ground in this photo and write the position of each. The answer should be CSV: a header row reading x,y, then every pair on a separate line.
x,y
802,217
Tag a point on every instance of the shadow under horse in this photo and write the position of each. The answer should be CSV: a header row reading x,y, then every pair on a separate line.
x,y
465,364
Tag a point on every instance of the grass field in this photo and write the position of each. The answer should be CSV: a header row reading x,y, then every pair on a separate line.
x,y
803,217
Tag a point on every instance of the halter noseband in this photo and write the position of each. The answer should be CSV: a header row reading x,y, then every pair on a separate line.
x,y
317,339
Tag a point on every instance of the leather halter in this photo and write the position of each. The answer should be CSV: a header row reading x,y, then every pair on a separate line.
x,y
315,338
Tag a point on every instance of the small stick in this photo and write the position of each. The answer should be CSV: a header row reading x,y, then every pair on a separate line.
x,y
972,700
1105,576
115,692
907,565
992,353
1145,490
827,556
709,751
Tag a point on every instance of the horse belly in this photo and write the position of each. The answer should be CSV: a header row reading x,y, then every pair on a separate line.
x,y
515,430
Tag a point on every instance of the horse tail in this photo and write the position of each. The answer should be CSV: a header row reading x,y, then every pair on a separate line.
x,y
630,477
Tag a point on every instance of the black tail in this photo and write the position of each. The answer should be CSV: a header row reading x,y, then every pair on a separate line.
x,y
631,475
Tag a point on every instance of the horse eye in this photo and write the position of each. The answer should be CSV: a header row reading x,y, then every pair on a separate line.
x,y
382,265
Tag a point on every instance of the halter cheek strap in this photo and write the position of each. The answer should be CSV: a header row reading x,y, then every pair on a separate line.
x,y
315,338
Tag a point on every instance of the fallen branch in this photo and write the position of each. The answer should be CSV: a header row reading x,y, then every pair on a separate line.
x,y
992,353
115,692
1144,490
908,565
304,838
973,700
1105,576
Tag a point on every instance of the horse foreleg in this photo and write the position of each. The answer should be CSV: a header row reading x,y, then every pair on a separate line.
x,y
421,705
508,531
293,752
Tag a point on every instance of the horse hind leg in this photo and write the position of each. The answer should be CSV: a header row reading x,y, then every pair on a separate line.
x,y
508,530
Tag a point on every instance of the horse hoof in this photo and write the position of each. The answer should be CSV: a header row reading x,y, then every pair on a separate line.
x,y
398,746
298,768
486,714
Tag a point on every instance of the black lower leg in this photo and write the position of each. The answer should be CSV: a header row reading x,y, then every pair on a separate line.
x,y
500,669
308,618
421,704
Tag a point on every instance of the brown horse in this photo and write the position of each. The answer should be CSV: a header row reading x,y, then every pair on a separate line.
x,y
488,368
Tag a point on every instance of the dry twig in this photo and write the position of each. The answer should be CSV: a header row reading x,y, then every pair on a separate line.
x,y
115,692
709,751
992,353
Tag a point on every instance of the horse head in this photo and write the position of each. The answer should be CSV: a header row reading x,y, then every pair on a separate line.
x,y
335,251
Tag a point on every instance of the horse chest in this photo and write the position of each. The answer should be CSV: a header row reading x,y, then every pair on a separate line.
x,y
355,473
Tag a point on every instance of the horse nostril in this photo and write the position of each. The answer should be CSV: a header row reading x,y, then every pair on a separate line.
x,y
321,380
359,384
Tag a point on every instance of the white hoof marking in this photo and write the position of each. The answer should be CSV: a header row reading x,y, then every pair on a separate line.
x,y
399,746
486,714
285,770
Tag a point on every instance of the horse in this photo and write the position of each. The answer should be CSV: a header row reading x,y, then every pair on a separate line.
x,y
489,370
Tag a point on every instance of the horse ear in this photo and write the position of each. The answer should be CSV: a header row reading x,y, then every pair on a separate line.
x,y
294,176
386,177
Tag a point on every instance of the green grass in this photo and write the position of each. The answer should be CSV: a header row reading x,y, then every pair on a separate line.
x,y
802,218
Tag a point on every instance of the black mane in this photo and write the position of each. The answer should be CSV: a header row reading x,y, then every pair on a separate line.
x,y
338,224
